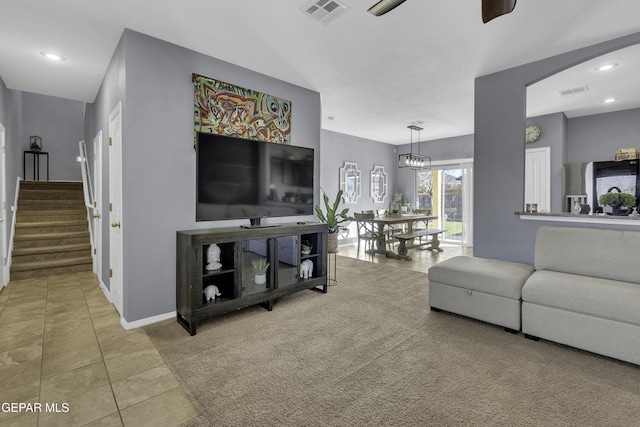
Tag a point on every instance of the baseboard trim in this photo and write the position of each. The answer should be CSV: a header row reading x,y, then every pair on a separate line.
x,y
146,321
105,291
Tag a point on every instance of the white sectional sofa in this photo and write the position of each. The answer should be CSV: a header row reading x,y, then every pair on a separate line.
x,y
585,291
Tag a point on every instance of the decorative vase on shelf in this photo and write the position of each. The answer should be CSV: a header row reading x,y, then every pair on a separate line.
x,y
576,206
260,279
35,143
305,247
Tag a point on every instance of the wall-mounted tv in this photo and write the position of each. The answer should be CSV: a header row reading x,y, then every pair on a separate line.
x,y
242,178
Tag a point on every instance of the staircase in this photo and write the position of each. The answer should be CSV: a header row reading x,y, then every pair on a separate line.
x,y
51,231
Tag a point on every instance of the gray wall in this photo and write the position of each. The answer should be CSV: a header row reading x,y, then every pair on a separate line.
x,y
11,119
60,123
159,158
338,148
597,137
500,100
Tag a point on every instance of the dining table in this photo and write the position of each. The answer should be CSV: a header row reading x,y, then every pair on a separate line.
x,y
388,220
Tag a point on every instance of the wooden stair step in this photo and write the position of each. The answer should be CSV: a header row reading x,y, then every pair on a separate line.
x,y
56,215
50,227
50,195
48,249
35,224
50,256
40,205
38,265
38,243
52,271
49,185
51,236
44,253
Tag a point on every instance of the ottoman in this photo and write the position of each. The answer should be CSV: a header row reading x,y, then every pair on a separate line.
x,y
485,289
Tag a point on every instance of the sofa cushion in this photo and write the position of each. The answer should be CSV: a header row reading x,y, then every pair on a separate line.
x,y
608,254
608,299
491,276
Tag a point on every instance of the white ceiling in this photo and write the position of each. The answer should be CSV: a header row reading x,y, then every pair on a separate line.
x,y
376,75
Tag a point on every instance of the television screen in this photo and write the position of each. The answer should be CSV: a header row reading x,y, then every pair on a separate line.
x,y
242,178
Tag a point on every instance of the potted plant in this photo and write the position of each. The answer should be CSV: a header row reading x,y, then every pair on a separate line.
x,y
260,267
405,205
617,203
333,219
305,247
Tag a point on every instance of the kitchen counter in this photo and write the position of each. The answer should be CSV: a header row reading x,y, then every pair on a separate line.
x,y
632,220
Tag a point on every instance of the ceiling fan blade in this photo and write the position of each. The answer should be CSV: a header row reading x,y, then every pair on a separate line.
x,y
384,6
494,8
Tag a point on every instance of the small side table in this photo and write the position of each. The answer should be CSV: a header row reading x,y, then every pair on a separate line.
x,y
332,279
36,164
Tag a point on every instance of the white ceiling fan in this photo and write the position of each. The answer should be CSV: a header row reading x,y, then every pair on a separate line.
x,y
490,8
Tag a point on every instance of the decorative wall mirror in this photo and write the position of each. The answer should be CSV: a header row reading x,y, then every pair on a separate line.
x,y
350,182
378,184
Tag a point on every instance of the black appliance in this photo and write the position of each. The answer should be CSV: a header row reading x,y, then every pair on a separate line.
x,y
240,178
622,174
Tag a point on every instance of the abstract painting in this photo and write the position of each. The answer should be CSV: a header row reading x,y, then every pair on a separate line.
x,y
226,109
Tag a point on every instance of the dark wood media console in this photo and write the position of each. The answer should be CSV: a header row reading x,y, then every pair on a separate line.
x,y
281,246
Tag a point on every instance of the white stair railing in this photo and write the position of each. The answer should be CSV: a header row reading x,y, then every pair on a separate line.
x,y
88,190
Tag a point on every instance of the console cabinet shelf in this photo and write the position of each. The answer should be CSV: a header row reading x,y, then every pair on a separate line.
x,y
235,280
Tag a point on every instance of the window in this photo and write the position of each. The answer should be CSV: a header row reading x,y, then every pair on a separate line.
x,y
447,190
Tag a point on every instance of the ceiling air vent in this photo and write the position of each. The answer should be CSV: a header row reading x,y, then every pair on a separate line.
x,y
324,11
575,90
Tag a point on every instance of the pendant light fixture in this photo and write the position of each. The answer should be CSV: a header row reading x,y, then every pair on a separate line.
x,y
412,160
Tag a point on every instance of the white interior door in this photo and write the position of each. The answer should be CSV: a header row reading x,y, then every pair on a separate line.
x,y
116,285
4,278
537,178
97,205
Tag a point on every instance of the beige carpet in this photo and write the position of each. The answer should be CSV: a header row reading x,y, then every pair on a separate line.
x,y
370,352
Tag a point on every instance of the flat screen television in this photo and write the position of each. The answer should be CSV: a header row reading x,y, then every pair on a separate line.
x,y
240,178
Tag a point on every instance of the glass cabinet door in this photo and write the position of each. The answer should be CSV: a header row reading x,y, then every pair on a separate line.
x,y
256,268
286,251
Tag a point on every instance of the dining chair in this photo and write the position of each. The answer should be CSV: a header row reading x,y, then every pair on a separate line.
x,y
390,229
421,224
366,230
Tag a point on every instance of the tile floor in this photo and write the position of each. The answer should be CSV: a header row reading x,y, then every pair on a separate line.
x,y
61,344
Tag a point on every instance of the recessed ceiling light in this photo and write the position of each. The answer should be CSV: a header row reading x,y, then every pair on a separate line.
x,y
610,100
607,67
52,56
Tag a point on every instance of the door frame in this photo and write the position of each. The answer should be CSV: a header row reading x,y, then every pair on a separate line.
x,y
4,256
97,205
466,165
538,178
116,282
